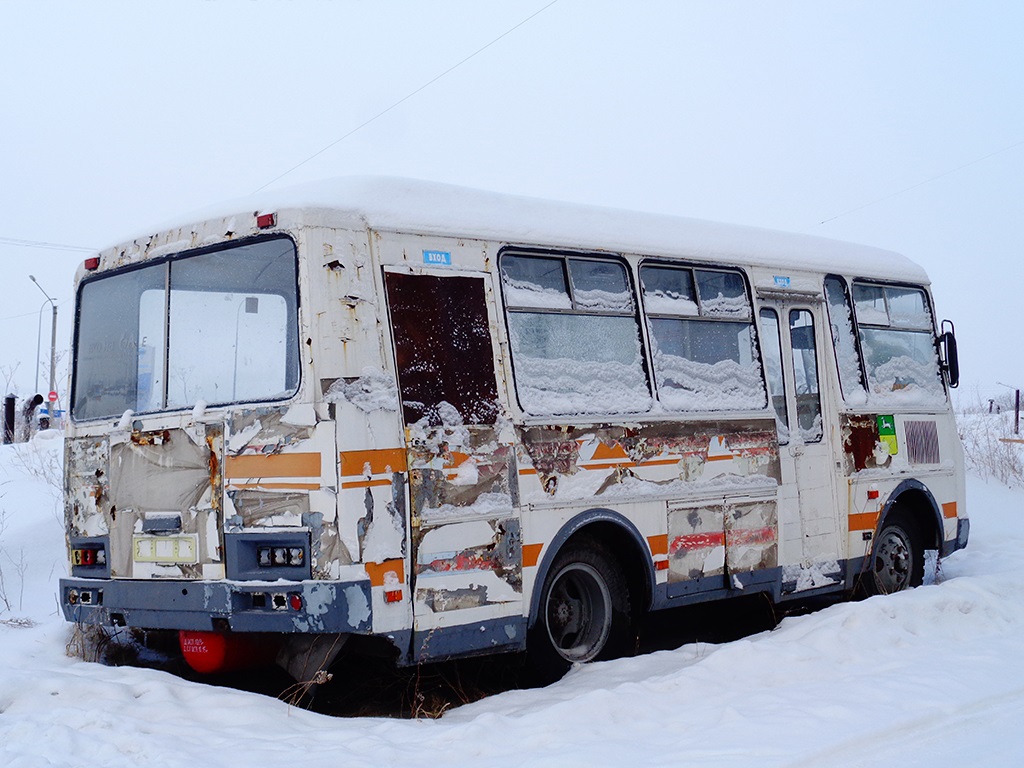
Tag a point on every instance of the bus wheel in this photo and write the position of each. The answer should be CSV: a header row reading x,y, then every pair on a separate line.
x,y
897,560
584,612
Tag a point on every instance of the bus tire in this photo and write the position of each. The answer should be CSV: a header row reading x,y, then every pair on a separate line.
x,y
584,612
897,559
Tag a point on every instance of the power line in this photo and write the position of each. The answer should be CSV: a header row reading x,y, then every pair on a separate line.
x,y
31,314
922,183
408,96
42,244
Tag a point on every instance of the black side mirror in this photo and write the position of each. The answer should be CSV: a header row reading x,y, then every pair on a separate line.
x,y
948,355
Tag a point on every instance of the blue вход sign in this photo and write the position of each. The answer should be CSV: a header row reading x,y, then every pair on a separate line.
x,y
443,258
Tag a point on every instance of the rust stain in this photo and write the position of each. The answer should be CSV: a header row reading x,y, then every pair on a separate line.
x,y
860,434
214,466
151,438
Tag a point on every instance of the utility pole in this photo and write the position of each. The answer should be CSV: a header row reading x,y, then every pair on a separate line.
x,y
53,347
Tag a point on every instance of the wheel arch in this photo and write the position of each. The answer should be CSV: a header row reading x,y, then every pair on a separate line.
x,y
914,497
622,539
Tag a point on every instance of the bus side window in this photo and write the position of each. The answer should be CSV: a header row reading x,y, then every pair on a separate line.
x,y
702,333
805,375
574,336
771,348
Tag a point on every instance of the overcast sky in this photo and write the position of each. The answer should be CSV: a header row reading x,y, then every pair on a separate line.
x,y
896,124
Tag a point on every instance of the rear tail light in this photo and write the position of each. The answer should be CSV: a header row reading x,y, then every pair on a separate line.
x,y
88,557
280,557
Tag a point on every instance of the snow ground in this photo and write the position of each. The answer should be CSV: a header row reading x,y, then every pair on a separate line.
x,y
929,677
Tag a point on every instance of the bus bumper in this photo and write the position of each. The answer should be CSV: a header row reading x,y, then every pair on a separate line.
x,y
285,607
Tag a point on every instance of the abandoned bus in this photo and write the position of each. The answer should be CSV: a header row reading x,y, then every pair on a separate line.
x,y
459,423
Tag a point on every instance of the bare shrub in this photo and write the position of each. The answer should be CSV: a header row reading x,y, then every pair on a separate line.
x,y
5,600
986,451
46,466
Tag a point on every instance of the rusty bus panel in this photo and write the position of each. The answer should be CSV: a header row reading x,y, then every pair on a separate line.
x,y
860,443
87,486
566,463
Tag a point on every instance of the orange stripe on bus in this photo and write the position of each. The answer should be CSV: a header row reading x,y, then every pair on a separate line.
x,y
611,465
277,486
721,457
864,521
614,451
456,458
377,571
949,509
531,554
354,462
608,465
658,544
273,465
657,462
365,483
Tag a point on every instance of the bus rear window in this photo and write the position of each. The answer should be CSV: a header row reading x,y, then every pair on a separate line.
x,y
219,327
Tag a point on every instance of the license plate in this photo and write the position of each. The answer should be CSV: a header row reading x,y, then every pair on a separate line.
x,y
166,549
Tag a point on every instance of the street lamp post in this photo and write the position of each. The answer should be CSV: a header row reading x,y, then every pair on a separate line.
x,y
53,345
39,344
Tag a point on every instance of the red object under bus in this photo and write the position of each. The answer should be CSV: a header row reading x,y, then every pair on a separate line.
x,y
213,652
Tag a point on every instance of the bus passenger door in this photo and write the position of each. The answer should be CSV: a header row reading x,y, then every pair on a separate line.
x,y
809,528
466,551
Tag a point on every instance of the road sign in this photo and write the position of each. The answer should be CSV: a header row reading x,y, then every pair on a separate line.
x,y
52,397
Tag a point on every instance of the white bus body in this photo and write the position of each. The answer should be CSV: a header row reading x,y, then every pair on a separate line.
x,y
459,421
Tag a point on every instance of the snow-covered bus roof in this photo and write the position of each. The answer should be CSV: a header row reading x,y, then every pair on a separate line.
x,y
428,208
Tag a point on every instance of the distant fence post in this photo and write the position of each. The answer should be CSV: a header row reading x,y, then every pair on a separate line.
x,y
1016,413
8,419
